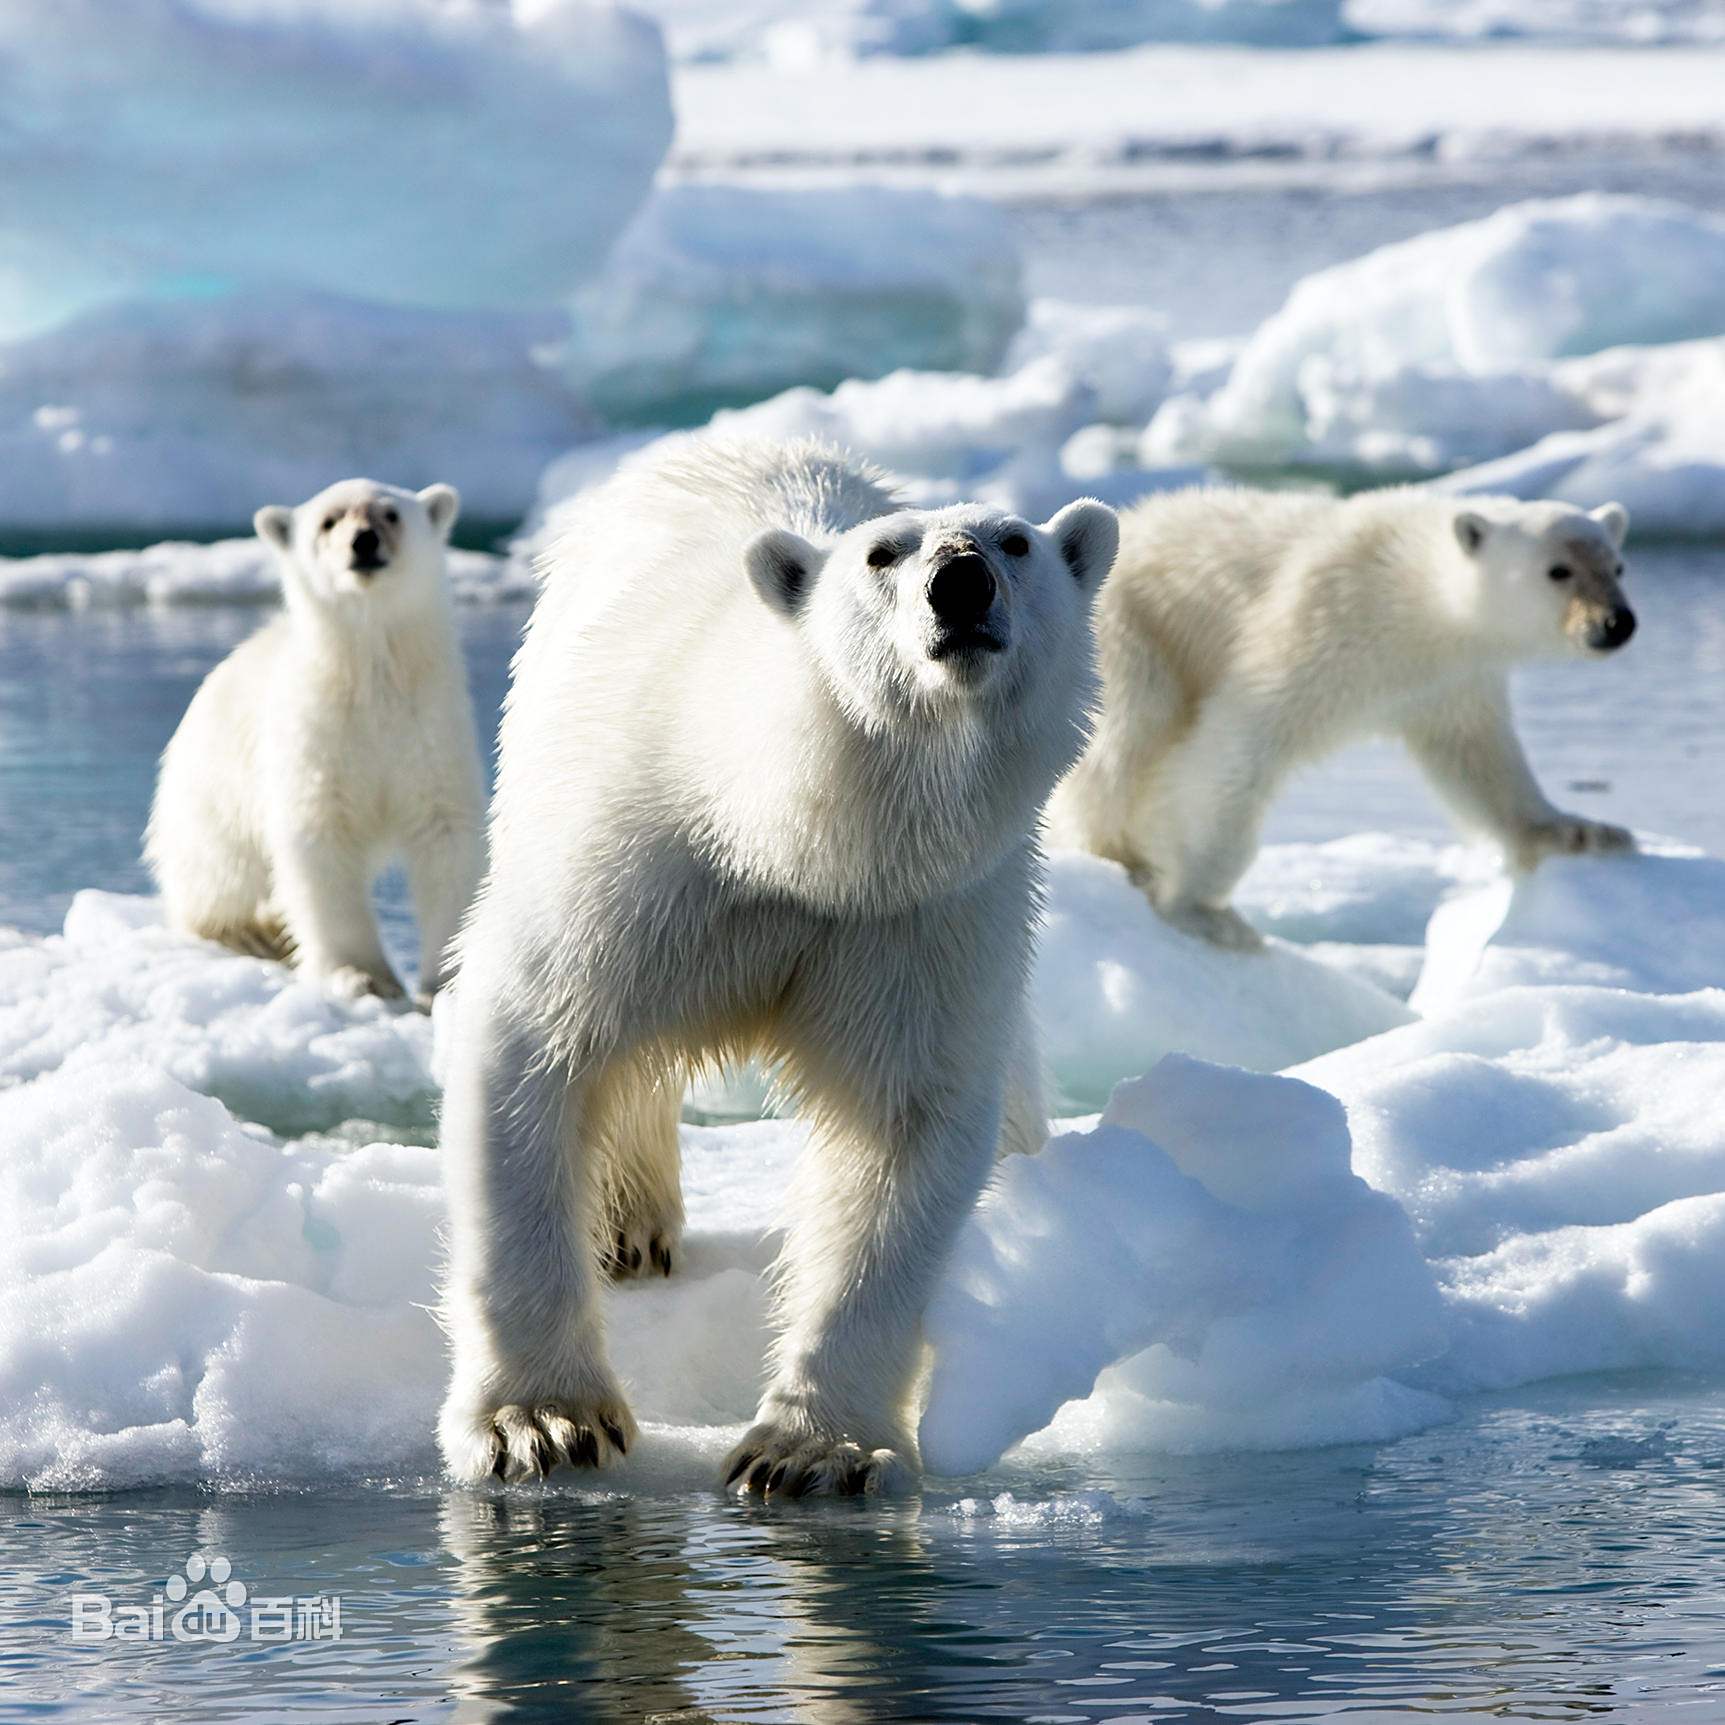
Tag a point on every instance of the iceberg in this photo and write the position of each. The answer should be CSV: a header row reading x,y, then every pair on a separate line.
x,y
184,415
719,295
400,151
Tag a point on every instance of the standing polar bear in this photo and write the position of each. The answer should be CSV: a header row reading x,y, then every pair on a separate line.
x,y
1246,633
770,775
338,736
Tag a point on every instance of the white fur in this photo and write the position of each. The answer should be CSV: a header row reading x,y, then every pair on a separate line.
x,y
1245,633
745,805
338,737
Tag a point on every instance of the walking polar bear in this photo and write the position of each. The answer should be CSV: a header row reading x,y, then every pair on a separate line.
x,y
771,770
338,736
1245,633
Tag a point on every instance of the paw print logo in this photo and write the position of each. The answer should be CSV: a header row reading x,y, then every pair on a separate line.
x,y
210,1613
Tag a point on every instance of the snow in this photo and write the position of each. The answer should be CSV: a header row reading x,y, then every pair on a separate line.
x,y
116,989
1441,351
723,294
1108,969
1120,353
1210,1214
1531,353
502,148
217,1231
1662,454
226,571
1016,440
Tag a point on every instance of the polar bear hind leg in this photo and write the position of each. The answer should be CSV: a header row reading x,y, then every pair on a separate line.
x,y
639,1166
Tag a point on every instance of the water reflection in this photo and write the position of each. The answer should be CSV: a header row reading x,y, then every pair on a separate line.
x,y
1558,1557
1260,1588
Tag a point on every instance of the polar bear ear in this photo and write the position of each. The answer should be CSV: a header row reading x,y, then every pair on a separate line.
x,y
1088,535
442,504
1614,518
274,525
1470,531
783,566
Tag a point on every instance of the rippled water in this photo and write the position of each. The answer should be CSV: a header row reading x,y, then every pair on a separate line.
x,y
1557,1557
88,701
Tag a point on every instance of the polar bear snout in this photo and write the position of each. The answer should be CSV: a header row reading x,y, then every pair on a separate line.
x,y
961,594
365,552
1606,634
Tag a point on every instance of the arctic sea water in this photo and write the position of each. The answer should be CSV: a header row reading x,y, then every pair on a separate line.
x,y
1555,1553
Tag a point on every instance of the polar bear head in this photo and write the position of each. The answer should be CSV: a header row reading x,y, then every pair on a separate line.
x,y
1551,574
928,609
361,544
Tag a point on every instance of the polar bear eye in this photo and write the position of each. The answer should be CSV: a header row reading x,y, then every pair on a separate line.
x,y
1015,545
1558,572
883,556
329,522
391,516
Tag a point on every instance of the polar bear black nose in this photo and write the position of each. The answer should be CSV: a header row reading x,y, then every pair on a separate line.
x,y
1616,629
962,590
365,547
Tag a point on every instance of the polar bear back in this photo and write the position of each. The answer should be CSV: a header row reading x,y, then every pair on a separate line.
x,y
1271,586
649,656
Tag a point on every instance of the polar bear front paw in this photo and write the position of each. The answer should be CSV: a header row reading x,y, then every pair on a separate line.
x,y
523,1440
1571,836
349,982
775,1461
1221,926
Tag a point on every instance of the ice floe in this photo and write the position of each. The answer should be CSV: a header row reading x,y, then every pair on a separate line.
x,y
221,1251
225,571
177,149
723,294
1441,351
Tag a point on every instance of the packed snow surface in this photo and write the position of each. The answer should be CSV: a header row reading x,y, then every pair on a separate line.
x,y
400,151
723,294
217,1233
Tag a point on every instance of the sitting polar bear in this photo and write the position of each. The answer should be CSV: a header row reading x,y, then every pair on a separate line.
x,y
1246,633
338,736
770,775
